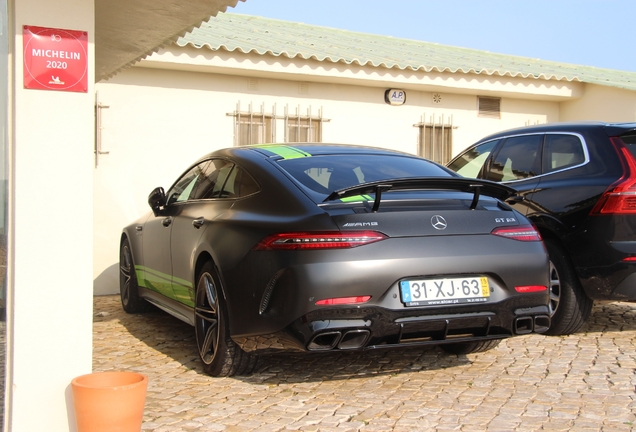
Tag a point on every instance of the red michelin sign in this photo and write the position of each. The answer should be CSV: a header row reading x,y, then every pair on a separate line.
x,y
55,59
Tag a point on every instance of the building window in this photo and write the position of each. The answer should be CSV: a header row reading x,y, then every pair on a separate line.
x,y
303,128
436,139
489,107
253,127
259,126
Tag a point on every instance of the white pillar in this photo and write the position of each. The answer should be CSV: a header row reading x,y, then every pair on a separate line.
x,y
49,324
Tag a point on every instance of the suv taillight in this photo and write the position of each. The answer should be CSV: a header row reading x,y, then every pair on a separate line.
x,y
620,197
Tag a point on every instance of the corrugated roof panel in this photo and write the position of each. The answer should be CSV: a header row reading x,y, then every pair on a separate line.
x,y
265,36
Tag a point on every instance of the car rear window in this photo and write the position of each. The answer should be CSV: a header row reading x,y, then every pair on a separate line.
x,y
325,174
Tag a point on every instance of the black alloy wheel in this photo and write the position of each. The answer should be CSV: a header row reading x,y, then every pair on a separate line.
x,y
128,287
218,353
555,289
569,305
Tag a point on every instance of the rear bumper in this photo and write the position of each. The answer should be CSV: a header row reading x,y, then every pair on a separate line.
x,y
271,292
611,282
598,251
376,328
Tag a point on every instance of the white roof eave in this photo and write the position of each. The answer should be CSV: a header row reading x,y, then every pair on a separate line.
x,y
190,58
127,31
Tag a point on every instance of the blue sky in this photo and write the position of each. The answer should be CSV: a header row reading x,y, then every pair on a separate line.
x,y
597,33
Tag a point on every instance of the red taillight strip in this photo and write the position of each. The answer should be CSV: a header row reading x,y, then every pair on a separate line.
x,y
323,240
343,300
530,288
522,233
620,197
630,259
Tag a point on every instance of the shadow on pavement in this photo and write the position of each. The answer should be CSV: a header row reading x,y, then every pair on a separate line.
x,y
608,316
175,339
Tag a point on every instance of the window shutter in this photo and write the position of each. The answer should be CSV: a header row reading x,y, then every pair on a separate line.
x,y
489,107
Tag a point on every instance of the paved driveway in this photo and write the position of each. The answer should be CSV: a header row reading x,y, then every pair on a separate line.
x,y
582,382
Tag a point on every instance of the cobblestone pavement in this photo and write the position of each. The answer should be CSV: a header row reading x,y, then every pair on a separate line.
x,y
583,382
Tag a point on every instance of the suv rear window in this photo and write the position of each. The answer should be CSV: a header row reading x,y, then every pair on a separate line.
x,y
325,174
561,151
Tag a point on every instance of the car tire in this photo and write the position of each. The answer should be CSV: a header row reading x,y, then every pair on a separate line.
x,y
219,355
131,302
569,305
470,347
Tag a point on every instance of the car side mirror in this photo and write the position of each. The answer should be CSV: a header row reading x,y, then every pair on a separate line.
x,y
157,200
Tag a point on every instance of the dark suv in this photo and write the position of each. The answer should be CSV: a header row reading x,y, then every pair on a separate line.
x,y
577,183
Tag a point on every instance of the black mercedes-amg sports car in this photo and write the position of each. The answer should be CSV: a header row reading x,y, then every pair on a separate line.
x,y
316,247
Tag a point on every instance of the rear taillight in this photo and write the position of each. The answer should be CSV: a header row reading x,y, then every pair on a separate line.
x,y
531,288
522,233
620,197
343,300
324,240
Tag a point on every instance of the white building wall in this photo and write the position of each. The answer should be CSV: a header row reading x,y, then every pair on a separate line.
x,y
602,104
160,121
49,322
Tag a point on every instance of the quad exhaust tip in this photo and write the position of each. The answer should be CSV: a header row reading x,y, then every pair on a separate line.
x,y
347,340
529,324
354,339
541,323
324,341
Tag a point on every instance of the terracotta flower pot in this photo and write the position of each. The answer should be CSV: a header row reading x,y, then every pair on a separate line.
x,y
109,401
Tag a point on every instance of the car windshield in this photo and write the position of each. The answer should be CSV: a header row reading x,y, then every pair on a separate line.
x,y
325,174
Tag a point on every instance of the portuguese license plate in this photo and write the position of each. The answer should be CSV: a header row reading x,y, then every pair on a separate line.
x,y
430,292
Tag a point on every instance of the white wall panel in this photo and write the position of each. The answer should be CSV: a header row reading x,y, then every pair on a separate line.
x,y
51,218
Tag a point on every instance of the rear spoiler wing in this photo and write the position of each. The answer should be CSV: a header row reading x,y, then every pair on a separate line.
x,y
474,186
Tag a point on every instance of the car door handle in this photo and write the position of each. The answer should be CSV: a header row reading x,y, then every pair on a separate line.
x,y
166,222
198,222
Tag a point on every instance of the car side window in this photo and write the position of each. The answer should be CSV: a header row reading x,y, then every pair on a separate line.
x,y
240,183
562,151
226,180
470,163
214,179
187,185
518,158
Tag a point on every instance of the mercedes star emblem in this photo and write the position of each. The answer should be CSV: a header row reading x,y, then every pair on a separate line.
x,y
438,222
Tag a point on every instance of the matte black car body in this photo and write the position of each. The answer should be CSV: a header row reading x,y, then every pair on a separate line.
x,y
256,264
577,184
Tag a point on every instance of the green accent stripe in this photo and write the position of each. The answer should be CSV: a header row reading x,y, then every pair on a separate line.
x,y
286,152
146,273
153,280
185,283
151,273
356,198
